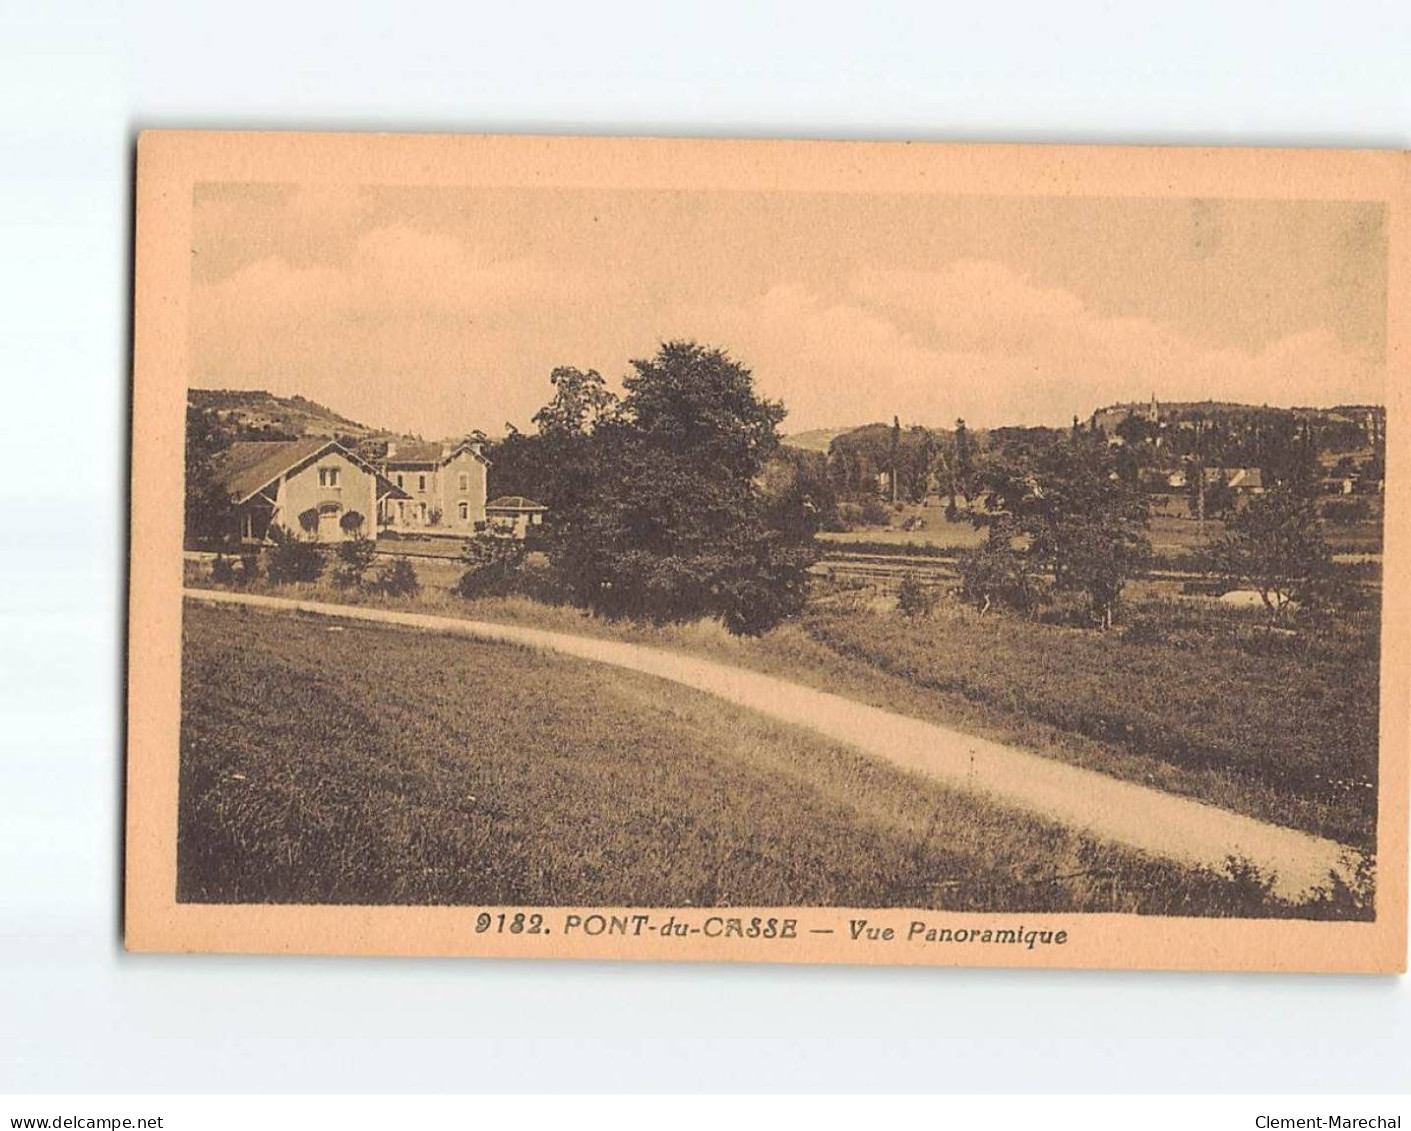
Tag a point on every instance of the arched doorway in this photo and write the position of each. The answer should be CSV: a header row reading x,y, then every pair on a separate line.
x,y
328,516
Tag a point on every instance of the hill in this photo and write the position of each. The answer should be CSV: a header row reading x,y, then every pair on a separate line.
x,y
254,413
814,440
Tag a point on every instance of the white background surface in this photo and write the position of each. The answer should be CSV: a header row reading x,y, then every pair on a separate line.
x,y
77,81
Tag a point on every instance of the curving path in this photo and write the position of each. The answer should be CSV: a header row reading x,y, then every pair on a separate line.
x,y
1147,819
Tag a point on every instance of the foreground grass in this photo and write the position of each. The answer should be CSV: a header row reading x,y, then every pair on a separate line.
x,y
350,764
1194,699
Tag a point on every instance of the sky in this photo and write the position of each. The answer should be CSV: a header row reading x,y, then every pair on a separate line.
x,y
436,311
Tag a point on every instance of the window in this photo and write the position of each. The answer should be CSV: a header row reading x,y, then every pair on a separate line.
x,y
421,483
421,510
400,479
465,511
464,482
328,477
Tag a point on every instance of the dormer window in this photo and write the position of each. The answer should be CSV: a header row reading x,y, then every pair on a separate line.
x,y
328,477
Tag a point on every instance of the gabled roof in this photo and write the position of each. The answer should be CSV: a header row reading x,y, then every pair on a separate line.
x,y
386,489
514,503
248,466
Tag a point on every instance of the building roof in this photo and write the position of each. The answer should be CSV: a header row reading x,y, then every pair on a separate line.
x,y
432,454
514,503
248,466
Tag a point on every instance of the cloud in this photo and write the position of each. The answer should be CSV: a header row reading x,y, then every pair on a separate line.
x,y
424,331
978,340
414,330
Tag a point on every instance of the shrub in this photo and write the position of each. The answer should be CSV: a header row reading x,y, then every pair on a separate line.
x,y
291,561
355,558
223,570
849,515
494,567
874,513
773,588
249,571
351,522
397,578
914,598
308,520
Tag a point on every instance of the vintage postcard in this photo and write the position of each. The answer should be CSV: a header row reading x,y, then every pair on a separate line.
x,y
770,552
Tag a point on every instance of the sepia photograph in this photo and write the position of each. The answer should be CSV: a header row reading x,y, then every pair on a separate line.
x,y
723,553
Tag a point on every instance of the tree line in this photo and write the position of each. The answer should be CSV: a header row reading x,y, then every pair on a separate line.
x,y
677,500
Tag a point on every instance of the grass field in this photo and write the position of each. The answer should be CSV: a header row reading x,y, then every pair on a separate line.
x,y
328,763
1192,697
1189,696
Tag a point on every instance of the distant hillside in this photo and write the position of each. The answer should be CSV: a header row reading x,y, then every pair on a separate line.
x,y
814,440
256,413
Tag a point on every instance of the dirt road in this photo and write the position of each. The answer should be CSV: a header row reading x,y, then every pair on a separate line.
x,y
1159,823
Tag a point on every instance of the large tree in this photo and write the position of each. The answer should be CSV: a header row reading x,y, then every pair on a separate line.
x,y
676,525
552,464
209,518
1084,522
1275,547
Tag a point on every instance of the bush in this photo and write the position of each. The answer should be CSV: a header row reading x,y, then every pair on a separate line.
x,y
874,513
223,570
355,558
774,588
914,598
494,567
849,515
397,578
292,561
308,520
351,522
249,571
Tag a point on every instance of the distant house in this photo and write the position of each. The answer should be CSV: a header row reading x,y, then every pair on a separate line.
x,y
514,514
314,488
443,488
1249,480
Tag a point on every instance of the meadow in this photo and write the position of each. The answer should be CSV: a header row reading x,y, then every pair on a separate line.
x,y
1188,695
383,766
